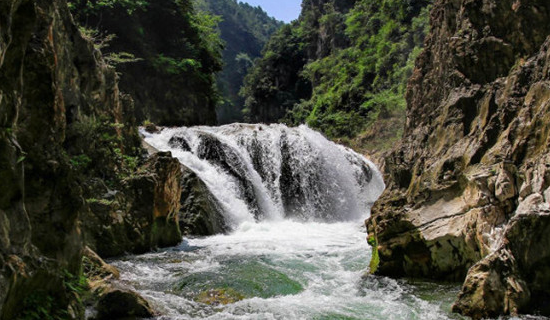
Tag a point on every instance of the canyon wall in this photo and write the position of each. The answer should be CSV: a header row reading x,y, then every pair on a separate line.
x,y
69,147
470,178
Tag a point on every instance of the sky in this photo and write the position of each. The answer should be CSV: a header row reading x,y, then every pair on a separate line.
x,y
285,10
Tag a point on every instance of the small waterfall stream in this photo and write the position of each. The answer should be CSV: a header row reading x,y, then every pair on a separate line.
x,y
295,204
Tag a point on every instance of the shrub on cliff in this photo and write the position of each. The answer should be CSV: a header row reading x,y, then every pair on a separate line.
x,y
175,51
356,57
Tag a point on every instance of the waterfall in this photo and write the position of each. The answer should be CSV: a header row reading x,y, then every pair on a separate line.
x,y
270,172
296,249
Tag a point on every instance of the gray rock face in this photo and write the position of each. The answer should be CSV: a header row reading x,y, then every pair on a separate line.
x,y
143,215
513,279
200,213
474,155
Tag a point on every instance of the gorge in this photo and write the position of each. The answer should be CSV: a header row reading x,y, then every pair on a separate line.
x,y
450,99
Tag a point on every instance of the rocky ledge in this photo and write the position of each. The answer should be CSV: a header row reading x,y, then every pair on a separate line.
x,y
468,186
142,215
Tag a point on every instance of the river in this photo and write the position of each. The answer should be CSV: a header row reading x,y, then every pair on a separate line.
x,y
295,204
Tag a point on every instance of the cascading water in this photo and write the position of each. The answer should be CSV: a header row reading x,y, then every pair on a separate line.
x,y
294,202
271,172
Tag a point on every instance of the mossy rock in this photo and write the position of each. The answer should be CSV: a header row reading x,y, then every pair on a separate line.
x,y
375,258
219,296
250,279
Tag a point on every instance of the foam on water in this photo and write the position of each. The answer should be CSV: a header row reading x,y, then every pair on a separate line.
x,y
260,172
297,249
327,260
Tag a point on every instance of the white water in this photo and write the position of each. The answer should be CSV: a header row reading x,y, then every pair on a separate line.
x,y
308,266
323,180
327,260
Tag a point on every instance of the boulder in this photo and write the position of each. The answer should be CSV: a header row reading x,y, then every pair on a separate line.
x,y
200,212
143,215
123,304
514,279
96,268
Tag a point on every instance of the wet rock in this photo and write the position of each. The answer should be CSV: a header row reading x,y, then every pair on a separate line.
x,y
149,148
221,154
123,304
179,142
292,193
151,128
154,195
107,299
219,296
143,215
97,269
200,212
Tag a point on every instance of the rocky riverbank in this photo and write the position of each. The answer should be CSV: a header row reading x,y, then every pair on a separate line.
x,y
468,184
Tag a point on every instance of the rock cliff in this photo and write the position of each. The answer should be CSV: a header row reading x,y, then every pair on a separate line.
x,y
50,77
68,145
469,180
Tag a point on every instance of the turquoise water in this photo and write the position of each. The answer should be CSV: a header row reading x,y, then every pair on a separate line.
x,y
280,270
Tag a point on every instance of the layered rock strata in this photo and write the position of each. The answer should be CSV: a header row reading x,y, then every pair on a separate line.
x,y
469,179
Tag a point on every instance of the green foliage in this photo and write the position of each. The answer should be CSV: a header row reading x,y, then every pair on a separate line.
x,y
114,58
244,29
99,40
97,148
102,42
375,258
166,53
81,162
207,29
356,84
357,60
244,62
174,66
94,6
42,305
75,284
39,305
101,201
274,84
7,130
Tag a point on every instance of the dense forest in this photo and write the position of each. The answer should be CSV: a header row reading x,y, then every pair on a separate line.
x,y
166,52
342,68
244,30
